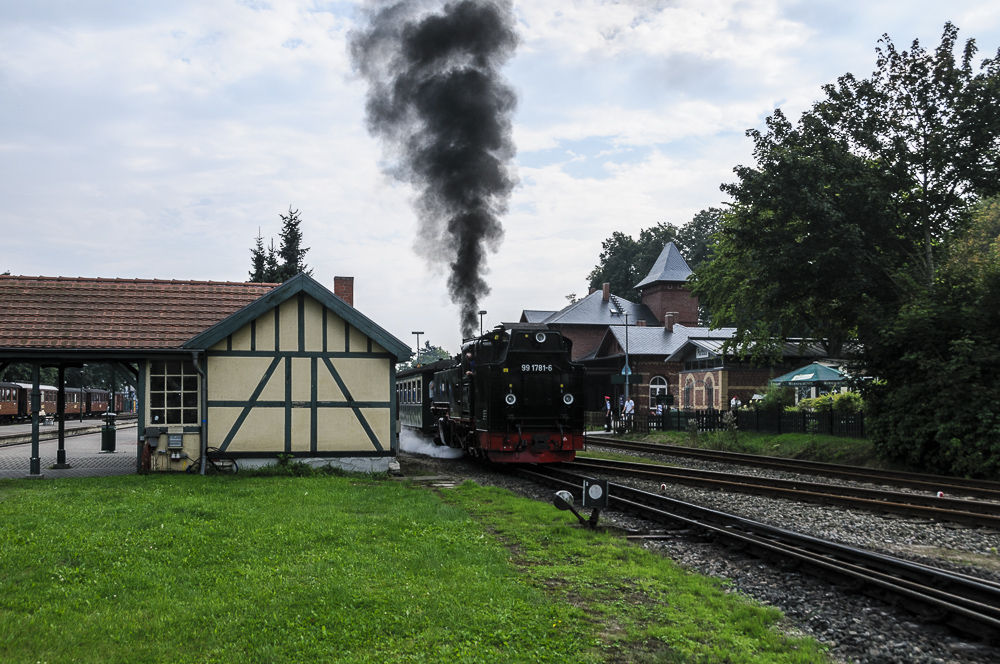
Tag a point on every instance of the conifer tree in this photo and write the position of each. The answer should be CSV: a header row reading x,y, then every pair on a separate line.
x,y
277,265
291,252
258,259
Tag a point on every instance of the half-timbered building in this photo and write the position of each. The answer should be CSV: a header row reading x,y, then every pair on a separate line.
x,y
254,372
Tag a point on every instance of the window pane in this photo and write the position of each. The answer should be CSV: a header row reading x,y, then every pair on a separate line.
x,y
173,383
190,416
157,383
173,400
157,417
156,400
190,383
188,368
173,368
190,399
174,416
156,367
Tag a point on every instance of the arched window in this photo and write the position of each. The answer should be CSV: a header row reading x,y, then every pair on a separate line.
x,y
689,393
657,385
709,394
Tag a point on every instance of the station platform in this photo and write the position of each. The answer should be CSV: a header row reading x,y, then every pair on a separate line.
x,y
15,434
83,451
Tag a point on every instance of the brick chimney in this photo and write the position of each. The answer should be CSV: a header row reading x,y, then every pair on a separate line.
x,y
343,287
607,292
640,323
668,320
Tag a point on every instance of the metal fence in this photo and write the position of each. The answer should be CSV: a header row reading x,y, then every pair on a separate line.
x,y
848,425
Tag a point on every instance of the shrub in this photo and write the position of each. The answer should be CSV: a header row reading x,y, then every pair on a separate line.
x,y
777,399
692,430
821,404
848,402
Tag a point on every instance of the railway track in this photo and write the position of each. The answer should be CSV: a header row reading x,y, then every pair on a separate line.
x,y
933,483
965,603
963,511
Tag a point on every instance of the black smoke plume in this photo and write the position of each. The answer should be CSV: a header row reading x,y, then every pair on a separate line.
x,y
439,103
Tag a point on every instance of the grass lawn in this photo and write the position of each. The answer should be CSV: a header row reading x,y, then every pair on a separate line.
x,y
812,447
180,568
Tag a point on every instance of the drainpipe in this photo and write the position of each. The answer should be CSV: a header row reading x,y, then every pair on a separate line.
x,y
204,409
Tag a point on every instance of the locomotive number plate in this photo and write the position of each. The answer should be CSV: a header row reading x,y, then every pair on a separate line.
x,y
536,368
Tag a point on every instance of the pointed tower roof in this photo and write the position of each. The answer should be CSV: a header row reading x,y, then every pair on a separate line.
x,y
669,266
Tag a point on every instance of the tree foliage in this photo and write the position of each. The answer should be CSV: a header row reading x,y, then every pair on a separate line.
x,y
271,265
859,223
93,375
810,246
625,261
694,239
930,124
936,405
428,354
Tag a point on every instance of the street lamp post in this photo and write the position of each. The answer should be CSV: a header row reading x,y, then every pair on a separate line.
x,y
628,369
481,314
418,346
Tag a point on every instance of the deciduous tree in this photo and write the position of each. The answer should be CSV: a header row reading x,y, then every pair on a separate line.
x,y
936,403
810,247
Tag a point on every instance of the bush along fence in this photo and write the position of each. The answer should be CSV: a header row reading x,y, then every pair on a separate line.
x,y
848,425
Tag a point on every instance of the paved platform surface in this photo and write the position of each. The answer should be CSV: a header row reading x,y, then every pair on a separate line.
x,y
83,453
15,433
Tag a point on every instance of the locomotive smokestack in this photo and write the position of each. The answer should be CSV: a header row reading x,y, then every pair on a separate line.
x,y
437,100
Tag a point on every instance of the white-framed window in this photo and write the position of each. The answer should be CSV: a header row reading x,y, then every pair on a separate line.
x,y
173,393
657,385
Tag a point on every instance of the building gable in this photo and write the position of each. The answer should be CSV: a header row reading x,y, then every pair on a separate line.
x,y
276,300
301,377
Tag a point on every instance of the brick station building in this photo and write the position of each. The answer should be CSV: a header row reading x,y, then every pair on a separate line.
x,y
668,352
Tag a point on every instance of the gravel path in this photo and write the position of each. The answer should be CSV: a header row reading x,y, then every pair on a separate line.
x,y
856,628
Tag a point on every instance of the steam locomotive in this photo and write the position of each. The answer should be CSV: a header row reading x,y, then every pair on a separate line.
x,y
512,396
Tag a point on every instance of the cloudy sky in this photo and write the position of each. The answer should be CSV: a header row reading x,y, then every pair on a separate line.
x,y
154,139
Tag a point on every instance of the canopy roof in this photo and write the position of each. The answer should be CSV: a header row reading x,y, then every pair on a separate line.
x,y
811,374
80,313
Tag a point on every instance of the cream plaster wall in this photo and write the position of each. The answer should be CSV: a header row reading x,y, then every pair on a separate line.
x,y
263,430
314,312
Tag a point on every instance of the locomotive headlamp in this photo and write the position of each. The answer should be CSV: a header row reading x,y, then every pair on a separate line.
x,y
567,398
540,337
510,399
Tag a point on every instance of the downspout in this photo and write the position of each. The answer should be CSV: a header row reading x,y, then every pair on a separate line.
x,y
204,409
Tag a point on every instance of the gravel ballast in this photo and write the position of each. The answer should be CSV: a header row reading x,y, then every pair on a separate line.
x,y
856,628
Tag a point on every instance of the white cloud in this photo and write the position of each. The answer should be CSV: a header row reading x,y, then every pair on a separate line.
x,y
730,30
154,139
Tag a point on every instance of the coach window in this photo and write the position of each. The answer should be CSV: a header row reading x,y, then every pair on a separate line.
x,y
658,385
173,393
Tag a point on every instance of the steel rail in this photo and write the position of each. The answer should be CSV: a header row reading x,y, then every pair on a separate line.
x,y
967,604
933,483
967,512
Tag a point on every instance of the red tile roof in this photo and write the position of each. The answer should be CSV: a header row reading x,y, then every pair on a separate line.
x,y
64,312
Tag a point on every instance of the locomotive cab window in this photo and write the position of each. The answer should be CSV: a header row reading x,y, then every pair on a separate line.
x,y
173,393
